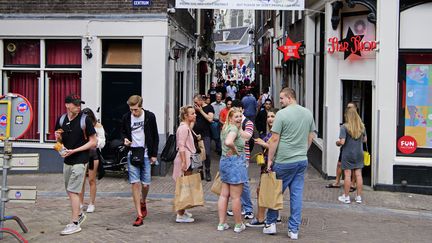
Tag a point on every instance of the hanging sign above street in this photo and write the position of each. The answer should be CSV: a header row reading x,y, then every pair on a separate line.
x,y
290,49
242,4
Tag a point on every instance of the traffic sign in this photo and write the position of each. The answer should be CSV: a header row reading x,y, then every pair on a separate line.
x,y
26,194
22,162
16,116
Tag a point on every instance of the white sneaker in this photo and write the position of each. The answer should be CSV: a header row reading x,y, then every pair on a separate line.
x,y
230,212
292,235
184,219
358,199
90,208
188,214
344,199
222,227
239,227
71,229
269,229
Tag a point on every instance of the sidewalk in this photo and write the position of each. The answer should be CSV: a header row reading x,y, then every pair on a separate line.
x,y
384,216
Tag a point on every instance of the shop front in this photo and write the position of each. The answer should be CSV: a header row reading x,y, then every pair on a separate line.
x,y
377,55
103,60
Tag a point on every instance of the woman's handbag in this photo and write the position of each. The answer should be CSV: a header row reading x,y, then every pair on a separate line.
x,y
169,151
217,185
100,169
196,161
199,146
366,157
189,192
270,195
259,158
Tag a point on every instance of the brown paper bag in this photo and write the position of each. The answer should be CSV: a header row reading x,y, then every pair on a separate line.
x,y
270,195
217,185
189,192
202,148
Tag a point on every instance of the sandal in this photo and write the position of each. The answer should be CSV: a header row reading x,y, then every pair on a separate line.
x,y
331,185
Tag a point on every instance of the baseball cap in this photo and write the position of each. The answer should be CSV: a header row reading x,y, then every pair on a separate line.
x,y
74,98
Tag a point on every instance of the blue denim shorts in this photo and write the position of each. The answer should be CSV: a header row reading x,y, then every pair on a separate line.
x,y
233,169
137,174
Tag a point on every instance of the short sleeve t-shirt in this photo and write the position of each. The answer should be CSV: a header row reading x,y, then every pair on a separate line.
x,y
137,130
353,148
73,137
202,126
293,124
238,142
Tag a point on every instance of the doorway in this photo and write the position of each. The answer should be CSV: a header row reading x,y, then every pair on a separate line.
x,y
179,96
117,87
360,92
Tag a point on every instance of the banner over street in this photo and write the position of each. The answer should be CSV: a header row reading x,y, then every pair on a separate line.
x,y
242,4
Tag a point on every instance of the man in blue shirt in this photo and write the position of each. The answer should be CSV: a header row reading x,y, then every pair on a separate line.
x,y
250,106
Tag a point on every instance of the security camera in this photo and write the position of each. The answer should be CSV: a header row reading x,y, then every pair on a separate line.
x,y
196,35
171,10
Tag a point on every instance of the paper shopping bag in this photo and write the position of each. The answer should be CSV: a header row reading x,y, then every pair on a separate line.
x,y
270,194
189,192
217,185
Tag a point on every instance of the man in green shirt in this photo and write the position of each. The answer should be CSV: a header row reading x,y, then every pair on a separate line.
x,y
292,134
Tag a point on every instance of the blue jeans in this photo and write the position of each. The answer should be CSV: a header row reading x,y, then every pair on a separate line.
x,y
246,198
137,174
215,134
292,176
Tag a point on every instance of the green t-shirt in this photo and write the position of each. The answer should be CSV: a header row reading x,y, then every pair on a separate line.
x,y
238,142
294,123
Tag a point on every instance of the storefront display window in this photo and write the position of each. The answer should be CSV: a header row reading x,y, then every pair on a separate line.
x,y
415,100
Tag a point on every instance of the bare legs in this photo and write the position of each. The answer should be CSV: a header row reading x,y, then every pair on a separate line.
x,y
233,191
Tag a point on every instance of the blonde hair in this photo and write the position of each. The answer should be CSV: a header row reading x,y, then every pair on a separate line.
x,y
230,114
135,99
184,112
354,124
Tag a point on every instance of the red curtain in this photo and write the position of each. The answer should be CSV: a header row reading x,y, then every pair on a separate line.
x,y
27,52
26,84
63,52
60,86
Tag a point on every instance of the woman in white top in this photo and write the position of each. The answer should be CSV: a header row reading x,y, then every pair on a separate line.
x,y
93,162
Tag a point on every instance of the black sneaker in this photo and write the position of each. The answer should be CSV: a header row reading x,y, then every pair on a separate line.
x,y
249,215
254,223
207,175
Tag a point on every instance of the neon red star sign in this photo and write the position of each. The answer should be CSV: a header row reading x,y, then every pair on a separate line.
x,y
290,49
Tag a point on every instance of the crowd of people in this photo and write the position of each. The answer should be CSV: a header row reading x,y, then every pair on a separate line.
x,y
283,135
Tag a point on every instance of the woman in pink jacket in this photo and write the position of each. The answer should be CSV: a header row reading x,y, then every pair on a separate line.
x,y
186,147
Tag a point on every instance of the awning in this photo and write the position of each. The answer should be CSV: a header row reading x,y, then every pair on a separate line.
x,y
233,48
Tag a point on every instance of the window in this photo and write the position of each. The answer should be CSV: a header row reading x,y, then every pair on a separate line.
x,y
318,92
28,76
22,53
63,53
26,84
415,100
121,53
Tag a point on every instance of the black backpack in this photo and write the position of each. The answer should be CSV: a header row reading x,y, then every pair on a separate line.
x,y
169,151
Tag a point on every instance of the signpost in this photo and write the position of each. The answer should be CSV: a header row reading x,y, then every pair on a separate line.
x,y
16,115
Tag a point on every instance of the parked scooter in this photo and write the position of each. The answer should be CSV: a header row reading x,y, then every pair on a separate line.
x,y
115,156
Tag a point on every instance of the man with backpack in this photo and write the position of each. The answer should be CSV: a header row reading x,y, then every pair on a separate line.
x,y
76,132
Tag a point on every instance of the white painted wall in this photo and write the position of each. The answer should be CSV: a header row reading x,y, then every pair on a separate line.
x,y
386,89
415,27
153,32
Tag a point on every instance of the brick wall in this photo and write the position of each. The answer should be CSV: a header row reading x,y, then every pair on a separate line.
x,y
78,7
